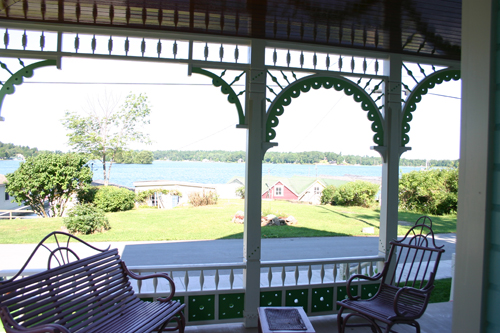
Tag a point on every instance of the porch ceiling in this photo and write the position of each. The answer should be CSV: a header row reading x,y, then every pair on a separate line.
x,y
424,27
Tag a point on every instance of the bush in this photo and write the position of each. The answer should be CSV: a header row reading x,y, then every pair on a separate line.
x,y
357,193
114,199
196,199
87,194
240,191
327,194
86,219
429,191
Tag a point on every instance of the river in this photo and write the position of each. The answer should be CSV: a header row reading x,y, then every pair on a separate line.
x,y
215,173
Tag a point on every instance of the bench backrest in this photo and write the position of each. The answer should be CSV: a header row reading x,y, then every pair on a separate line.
x,y
76,295
415,258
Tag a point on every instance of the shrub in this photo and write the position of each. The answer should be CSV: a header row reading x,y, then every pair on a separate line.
x,y
196,199
86,219
240,191
429,191
87,194
327,194
357,193
114,199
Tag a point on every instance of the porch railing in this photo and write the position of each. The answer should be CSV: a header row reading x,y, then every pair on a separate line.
x,y
215,293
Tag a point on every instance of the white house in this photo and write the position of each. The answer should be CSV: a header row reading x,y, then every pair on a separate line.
x,y
5,198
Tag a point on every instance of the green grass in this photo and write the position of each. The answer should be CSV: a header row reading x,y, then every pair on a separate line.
x,y
214,222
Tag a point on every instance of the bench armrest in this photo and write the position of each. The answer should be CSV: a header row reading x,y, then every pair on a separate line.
x,y
360,276
144,277
11,326
410,302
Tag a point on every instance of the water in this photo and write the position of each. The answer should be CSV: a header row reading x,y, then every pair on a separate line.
x,y
214,173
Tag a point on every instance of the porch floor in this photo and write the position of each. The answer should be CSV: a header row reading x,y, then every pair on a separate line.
x,y
437,318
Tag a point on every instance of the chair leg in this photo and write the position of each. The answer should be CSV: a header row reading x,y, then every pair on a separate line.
x,y
340,320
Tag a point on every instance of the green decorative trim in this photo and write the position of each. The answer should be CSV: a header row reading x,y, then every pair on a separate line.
x,y
18,78
201,307
322,299
231,306
416,96
226,89
296,298
284,98
270,298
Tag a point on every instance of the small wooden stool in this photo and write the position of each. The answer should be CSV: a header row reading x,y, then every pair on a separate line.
x,y
284,319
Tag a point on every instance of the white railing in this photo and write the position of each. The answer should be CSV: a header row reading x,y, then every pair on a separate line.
x,y
215,293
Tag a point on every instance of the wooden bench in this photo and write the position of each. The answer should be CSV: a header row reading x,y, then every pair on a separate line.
x,y
406,282
91,294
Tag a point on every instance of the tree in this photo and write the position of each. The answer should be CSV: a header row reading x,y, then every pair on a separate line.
x,y
107,129
51,178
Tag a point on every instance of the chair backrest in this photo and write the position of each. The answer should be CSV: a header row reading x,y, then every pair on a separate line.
x,y
415,258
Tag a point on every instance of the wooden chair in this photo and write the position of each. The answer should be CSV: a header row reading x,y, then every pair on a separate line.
x,y
406,283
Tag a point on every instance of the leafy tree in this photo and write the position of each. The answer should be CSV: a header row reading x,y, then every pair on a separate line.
x,y
51,178
108,129
86,219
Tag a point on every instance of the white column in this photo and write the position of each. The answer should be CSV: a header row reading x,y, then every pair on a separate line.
x,y
470,308
390,167
255,116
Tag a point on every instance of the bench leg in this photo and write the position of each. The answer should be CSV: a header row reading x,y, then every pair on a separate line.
x,y
181,324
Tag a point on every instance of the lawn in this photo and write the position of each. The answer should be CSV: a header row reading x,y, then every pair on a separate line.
x,y
214,222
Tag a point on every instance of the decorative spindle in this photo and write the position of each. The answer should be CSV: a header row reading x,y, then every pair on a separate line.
x,y
365,66
275,57
127,46
216,279
376,66
283,276
93,44
128,14
160,17
285,77
335,273
176,17
315,60
24,40
288,58
139,283
42,41
340,63
158,48
6,38
236,54
206,51
78,12
421,70
327,61
77,43
94,12
269,276
309,274
353,64
221,52
155,284
110,44
111,13
322,273
143,47
186,280
231,278
296,275
144,15
174,49
202,280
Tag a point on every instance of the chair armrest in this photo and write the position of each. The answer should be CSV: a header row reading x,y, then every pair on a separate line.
x,y
144,277
411,298
360,276
11,326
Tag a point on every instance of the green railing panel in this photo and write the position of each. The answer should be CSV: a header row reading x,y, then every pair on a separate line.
x,y
322,299
231,306
296,298
271,298
201,307
416,96
369,290
285,97
342,293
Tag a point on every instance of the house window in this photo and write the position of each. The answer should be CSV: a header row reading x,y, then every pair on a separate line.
x,y
278,191
7,196
317,190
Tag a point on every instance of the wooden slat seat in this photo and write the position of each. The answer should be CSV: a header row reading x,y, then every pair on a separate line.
x,y
406,282
92,294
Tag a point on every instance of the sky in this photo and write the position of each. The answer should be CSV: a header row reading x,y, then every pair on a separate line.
x,y
188,113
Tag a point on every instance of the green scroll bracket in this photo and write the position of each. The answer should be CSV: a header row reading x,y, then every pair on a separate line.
x,y
18,78
226,89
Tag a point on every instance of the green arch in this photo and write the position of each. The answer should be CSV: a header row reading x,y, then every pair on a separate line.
x,y
416,96
18,78
317,81
226,89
